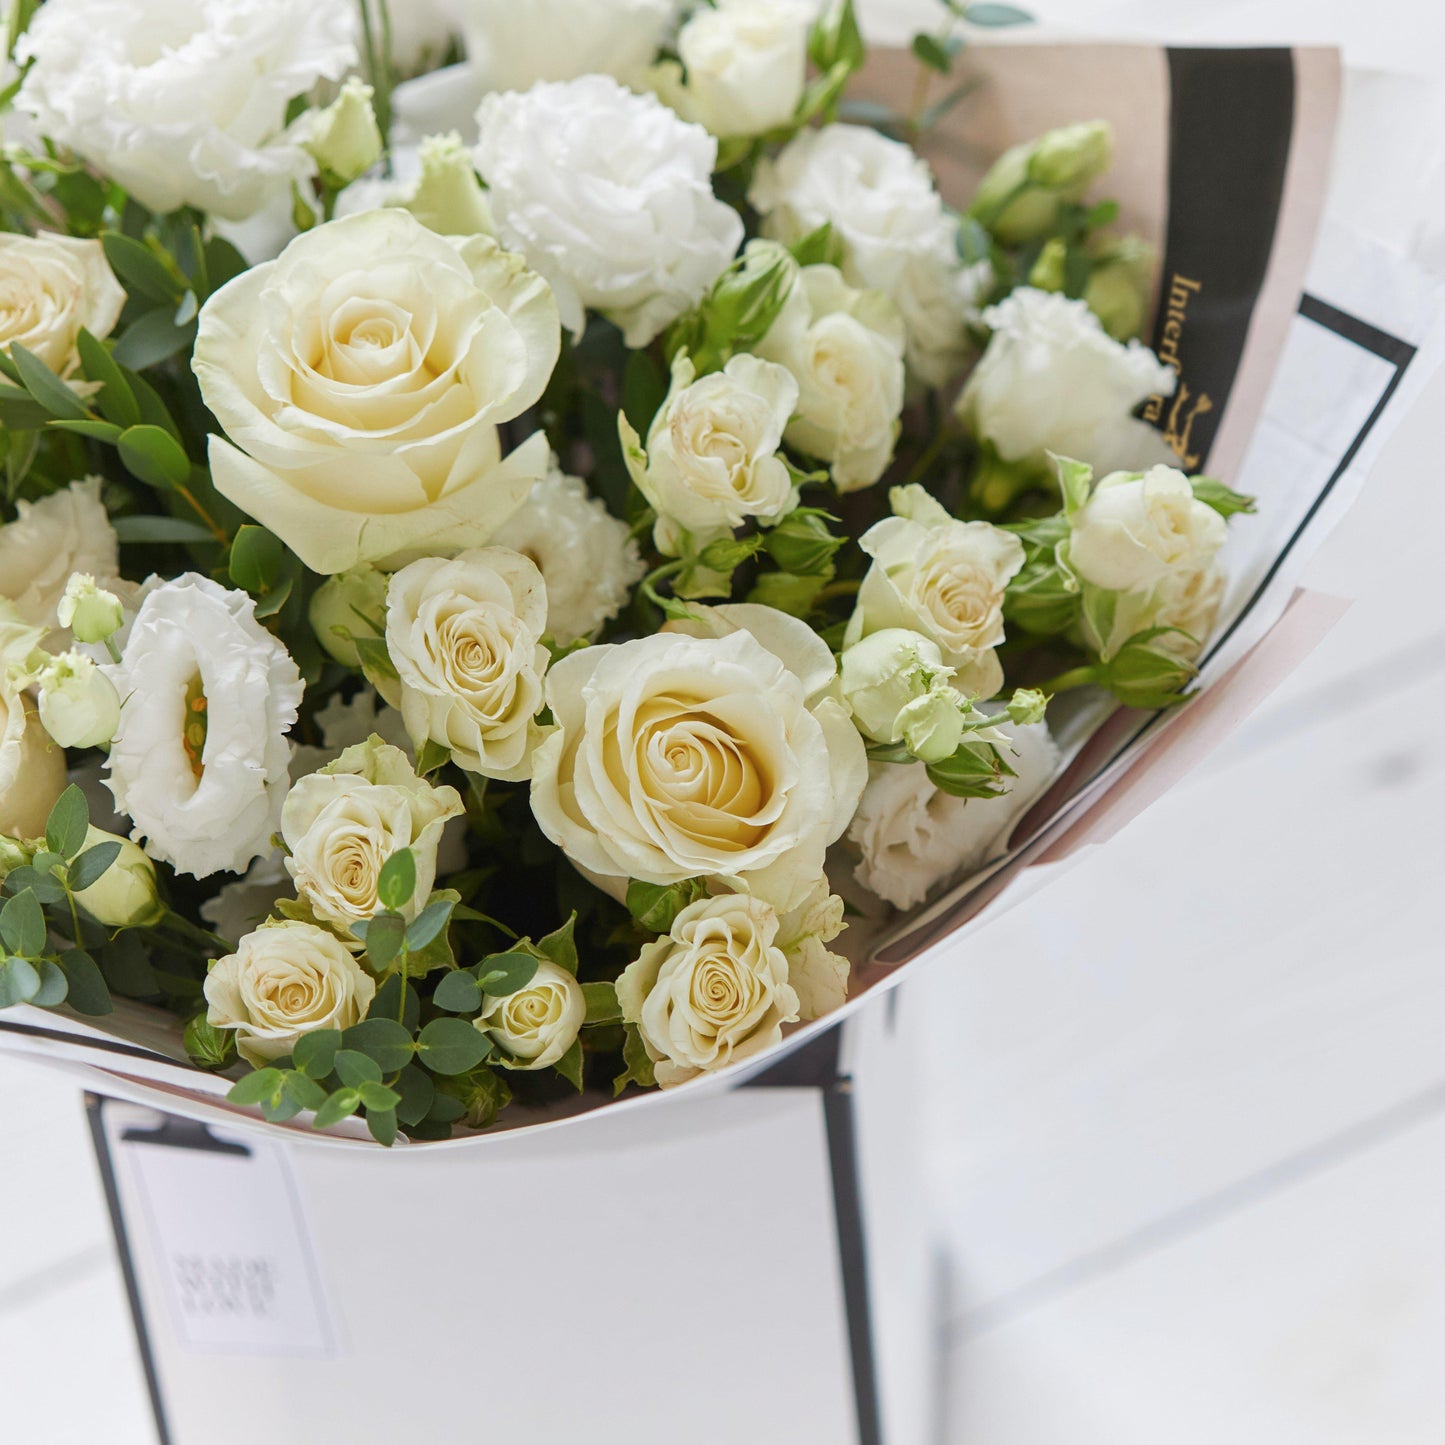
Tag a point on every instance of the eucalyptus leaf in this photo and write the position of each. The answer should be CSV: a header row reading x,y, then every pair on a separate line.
x,y
53,984
451,1046
154,456
45,386
382,1040
504,974
382,1124
341,1105
315,1053
69,819
87,993
22,926
256,1087
91,866
19,982
161,529
458,993
397,883
354,1068
385,936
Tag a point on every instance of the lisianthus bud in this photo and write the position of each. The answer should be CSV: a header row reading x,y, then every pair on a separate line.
x,y
89,611
125,895
1027,706
79,706
886,672
349,605
344,139
448,198
1144,675
1020,197
1120,284
931,726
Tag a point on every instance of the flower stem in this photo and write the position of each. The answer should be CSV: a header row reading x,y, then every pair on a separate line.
x,y
217,531
1066,681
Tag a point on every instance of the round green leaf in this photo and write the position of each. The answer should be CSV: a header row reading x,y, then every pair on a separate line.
x,y
459,993
341,1105
451,1046
315,1053
19,982
154,456
384,1041
355,1069
22,926
397,883
256,1087
66,827
87,993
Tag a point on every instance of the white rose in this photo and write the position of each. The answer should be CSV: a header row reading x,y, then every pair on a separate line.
x,y
559,523
52,287
719,755
79,705
897,237
714,992
125,895
711,460
344,823
944,578
199,762
32,767
817,975
361,379
1053,380
283,981
911,836
746,65
1138,528
48,540
512,46
845,347
465,637
184,104
1187,601
608,195
537,1024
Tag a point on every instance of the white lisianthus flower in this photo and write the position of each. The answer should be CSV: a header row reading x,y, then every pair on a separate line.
x,y
896,685
746,65
1053,380
244,905
283,981
944,578
125,895
911,836
465,637
361,378
816,974
1139,528
67,532
711,460
609,196
879,197
79,705
32,767
184,104
712,750
343,823
512,46
52,287
846,348
713,992
199,762
537,1024
560,523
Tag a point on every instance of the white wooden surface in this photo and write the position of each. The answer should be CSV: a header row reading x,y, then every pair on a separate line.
x,y
1188,1122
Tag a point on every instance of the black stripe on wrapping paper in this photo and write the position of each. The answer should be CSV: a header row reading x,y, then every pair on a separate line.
x,y
1231,126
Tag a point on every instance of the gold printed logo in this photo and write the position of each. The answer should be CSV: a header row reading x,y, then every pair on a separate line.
x,y
1187,405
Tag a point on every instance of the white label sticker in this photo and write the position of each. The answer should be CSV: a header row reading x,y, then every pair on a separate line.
x,y
228,1237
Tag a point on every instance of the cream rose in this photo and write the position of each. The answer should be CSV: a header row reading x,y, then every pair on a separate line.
x,y
125,895
1187,601
845,347
1139,528
184,103
51,288
361,378
717,755
466,639
711,460
609,195
910,836
714,992
1053,380
66,532
944,578
537,1024
558,523
343,823
898,238
32,767
746,65
283,981
512,46
200,759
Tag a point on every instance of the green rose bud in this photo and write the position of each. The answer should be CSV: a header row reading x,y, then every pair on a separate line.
x,y
14,853
208,1046
349,605
1048,271
885,673
448,198
786,592
90,612
125,895
344,139
79,706
1028,706
1145,676
1020,198
931,726
801,543
1120,285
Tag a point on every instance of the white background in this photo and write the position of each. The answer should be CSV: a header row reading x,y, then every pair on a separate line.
x,y
1188,1118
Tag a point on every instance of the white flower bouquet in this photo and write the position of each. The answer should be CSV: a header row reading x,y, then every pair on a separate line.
x,y
532,630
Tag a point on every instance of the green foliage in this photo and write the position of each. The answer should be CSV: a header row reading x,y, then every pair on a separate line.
x,y
655,906
210,1047
66,827
398,880
451,1046
1227,503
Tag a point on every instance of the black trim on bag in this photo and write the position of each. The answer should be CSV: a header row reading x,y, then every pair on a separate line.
x,y
105,1046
